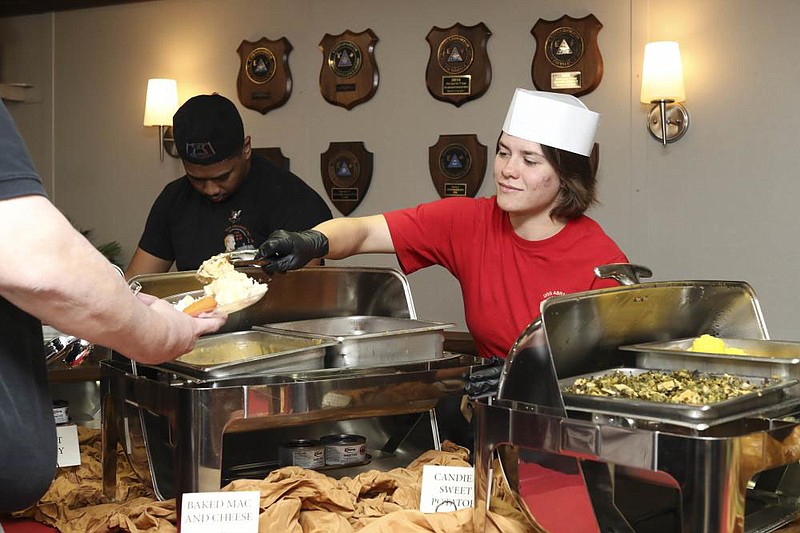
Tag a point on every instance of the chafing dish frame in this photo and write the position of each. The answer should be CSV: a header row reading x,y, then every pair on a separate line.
x,y
200,412
581,333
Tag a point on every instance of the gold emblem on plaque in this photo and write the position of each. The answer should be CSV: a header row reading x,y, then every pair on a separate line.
x,y
455,54
563,47
346,174
458,67
264,81
455,161
344,170
345,59
260,65
457,164
567,57
349,73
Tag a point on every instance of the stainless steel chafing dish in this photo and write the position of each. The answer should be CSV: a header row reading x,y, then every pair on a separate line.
x,y
248,352
765,358
194,424
642,466
356,341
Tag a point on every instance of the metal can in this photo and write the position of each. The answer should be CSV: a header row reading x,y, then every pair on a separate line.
x,y
61,411
305,453
344,449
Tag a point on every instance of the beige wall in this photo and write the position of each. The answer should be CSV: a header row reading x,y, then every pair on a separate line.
x,y
719,204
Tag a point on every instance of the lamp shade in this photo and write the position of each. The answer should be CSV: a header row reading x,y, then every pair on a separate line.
x,y
161,102
662,73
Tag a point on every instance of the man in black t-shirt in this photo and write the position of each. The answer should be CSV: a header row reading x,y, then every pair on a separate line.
x,y
229,199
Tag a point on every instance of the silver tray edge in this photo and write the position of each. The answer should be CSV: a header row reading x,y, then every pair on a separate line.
x,y
673,411
680,347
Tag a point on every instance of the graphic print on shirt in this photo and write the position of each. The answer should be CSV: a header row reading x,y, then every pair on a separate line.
x,y
237,235
548,294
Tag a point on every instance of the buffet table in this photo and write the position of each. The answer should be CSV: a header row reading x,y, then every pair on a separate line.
x,y
649,445
292,499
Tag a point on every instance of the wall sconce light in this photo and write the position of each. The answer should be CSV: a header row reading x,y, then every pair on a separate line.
x,y
160,105
662,86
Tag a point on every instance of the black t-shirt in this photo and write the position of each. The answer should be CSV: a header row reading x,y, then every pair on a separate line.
x,y
26,412
19,332
185,227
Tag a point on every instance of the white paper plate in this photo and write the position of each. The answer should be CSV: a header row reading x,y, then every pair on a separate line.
x,y
226,309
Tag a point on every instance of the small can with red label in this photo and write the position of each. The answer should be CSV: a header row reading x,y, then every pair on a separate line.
x,y
344,449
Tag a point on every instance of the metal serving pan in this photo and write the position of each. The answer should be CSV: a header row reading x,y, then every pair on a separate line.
x,y
696,416
764,358
250,352
363,340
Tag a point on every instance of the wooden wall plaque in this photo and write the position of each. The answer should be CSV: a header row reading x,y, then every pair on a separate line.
x,y
346,169
567,57
349,74
265,81
458,67
457,164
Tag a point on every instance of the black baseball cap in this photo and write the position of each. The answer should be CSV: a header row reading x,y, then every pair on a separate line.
x,y
207,129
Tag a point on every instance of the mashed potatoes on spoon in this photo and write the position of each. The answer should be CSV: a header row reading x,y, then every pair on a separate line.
x,y
227,290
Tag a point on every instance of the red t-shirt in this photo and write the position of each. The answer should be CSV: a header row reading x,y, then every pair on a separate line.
x,y
503,277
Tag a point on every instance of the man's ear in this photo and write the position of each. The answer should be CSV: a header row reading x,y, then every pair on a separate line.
x,y
246,148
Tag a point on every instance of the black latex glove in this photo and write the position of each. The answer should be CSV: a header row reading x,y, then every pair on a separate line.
x,y
289,250
485,382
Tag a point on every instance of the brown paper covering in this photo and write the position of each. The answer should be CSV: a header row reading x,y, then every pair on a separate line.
x,y
293,500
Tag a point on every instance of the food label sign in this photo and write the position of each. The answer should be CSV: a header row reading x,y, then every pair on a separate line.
x,y
220,512
69,452
446,488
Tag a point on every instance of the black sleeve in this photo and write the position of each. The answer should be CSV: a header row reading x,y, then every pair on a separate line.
x,y
17,174
156,239
299,207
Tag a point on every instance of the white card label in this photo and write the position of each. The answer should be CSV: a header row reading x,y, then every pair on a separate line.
x,y
220,512
69,451
446,488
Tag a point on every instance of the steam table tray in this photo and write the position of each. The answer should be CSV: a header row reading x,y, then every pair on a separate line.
x,y
770,393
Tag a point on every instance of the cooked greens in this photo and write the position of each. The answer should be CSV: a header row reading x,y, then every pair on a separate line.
x,y
680,386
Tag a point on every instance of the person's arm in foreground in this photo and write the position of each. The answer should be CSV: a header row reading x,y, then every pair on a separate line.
x,y
145,263
332,239
51,271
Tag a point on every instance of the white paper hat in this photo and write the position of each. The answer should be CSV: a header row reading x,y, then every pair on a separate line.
x,y
553,119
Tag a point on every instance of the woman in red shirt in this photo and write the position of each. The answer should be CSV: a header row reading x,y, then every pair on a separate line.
x,y
509,252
